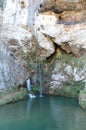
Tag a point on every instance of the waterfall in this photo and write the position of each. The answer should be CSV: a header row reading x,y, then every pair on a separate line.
x,y
28,85
40,79
85,83
31,95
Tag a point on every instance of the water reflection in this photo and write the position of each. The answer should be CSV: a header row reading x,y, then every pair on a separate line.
x,y
67,115
47,113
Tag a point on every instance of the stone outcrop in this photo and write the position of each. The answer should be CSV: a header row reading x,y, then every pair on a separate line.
x,y
71,38
15,43
63,5
12,69
73,16
67,77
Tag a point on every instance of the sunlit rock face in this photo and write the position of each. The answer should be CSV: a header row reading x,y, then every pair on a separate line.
x,y
15,43
67,78
73,16
68,28
71,38
16,12
63,5
12,70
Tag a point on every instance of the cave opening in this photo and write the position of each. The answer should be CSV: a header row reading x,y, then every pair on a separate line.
x,y
59,51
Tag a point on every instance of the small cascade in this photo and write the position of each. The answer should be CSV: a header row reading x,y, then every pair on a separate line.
x,y
28,85
40,79
31,95
85,84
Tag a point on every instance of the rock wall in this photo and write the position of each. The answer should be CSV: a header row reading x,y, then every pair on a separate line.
x,y
15,43
12,70
68,75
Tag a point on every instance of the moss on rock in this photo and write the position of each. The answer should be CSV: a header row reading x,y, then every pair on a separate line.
x,y
69,90
69,86
13,96
82,99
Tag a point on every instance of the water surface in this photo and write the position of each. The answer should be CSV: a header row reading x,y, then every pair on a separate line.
x,y
47,113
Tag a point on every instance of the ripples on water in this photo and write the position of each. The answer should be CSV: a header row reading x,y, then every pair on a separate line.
x,y
47,113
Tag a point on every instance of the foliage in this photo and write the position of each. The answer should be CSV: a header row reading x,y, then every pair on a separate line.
x,y
2,94
12,96
35,66
32,58
83,104
83,91
75,61
70,90
35,90
82,99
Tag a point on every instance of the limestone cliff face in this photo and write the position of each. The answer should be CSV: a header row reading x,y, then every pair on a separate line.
x,y
14,44
59,28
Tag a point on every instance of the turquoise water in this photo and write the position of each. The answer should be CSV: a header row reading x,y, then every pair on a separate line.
x,y
47,113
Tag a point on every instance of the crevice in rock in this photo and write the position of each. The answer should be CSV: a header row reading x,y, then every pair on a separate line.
x,y
59,51
52,55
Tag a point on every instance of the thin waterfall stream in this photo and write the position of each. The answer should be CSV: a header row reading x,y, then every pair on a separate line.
x,y
40,79
28,84
32,12
31,95
40,83
85,84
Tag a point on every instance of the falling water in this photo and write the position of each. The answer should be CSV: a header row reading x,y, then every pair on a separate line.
x,y
40,79
28,85
31,95
85,84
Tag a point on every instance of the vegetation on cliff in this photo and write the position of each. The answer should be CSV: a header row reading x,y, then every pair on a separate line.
x,y
12,96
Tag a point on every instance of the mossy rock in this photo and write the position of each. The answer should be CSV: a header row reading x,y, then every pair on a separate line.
x,y
69,90
82,99
78,62
13,96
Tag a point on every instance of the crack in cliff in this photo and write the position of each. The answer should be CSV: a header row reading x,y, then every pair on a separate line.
x,y
64,47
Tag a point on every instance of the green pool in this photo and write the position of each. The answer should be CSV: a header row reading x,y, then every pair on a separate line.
x,y
47,113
